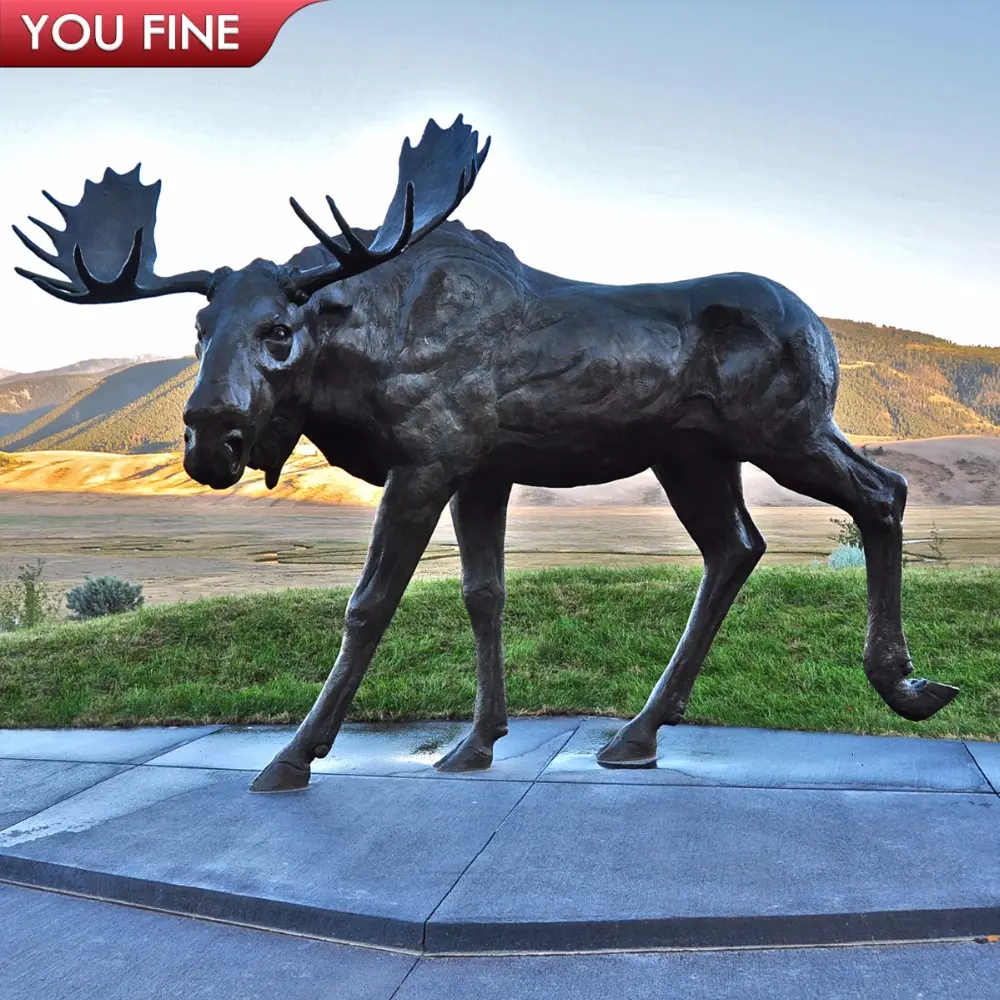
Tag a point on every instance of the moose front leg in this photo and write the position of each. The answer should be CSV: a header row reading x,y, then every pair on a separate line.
x,y
410,509
479,511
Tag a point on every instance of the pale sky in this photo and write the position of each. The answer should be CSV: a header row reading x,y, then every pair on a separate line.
x,y
848,149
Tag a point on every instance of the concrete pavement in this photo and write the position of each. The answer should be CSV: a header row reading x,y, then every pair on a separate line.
x,y
761,845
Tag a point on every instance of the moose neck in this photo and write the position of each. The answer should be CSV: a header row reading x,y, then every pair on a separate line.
x,y
342,419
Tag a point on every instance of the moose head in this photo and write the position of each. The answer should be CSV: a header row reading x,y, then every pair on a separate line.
x,y
256,343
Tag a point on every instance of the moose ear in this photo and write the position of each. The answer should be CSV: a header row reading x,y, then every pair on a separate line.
x,y
331,307
334,314
334,299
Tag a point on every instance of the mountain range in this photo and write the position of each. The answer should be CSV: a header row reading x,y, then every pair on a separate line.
x,y
895,385
109,404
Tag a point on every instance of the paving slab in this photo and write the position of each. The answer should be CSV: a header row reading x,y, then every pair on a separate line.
x,y
763,758
57,947
929,972
987,756
109,746
386,749
743,837
353,858
28,786
630,866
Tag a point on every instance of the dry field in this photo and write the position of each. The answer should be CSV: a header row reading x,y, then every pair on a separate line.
x,y
182,548
140,517
942,472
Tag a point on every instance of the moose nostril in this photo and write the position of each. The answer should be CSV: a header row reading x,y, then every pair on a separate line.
x,y
188,436
233,443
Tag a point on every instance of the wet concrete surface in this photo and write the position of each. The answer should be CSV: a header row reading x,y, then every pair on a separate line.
x,y
737,836
762,758
392,749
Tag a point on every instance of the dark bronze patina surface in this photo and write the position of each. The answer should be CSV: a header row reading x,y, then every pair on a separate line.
x,y
448,372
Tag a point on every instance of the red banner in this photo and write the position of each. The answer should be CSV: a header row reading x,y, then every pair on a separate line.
x,y
140,32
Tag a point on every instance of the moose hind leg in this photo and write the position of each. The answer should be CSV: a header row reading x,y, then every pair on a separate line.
x,y
706,494
479,512
831,470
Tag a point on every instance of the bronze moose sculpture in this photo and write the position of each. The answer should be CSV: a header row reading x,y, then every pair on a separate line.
x,y
426,358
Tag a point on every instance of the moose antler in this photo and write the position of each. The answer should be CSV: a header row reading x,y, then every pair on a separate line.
x,y
434,177
107,249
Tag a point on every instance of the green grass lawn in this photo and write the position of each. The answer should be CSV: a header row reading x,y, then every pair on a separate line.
x,y
589,641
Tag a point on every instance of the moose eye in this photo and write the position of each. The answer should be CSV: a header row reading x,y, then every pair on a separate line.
x,y
278,341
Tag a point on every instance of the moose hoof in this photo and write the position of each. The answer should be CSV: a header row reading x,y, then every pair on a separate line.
x,y
281,776
629,748
469,755
918,699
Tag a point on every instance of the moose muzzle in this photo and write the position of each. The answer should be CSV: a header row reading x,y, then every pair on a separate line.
x,y
215,448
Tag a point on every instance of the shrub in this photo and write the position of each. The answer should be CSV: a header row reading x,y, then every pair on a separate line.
x,y
25,601
844,556
849,533
937,544
107,595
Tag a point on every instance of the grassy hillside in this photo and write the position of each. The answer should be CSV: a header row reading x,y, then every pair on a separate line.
x,y
57,428
902,384
589,641
26,399
150,424
36,393
21,393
